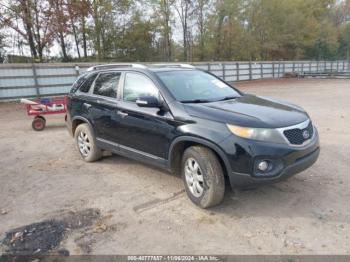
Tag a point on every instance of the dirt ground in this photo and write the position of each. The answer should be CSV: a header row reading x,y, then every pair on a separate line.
x,y
145,210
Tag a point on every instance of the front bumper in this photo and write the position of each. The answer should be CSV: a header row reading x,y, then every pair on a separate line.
x,y
247,180
244,154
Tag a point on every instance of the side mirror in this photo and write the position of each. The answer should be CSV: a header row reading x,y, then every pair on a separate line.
x,y
148,101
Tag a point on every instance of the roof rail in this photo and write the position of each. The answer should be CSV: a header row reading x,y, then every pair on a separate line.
x,y
174,65
108,66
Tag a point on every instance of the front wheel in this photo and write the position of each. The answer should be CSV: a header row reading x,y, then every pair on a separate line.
x,y
203,176
86,144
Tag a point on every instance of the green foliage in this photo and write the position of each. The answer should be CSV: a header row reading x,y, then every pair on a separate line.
x,y
137,41
196,30
272,29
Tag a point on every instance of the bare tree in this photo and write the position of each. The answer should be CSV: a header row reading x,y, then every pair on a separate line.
x,y
79,11
30,19
185,9
59,24
2,47
202,7
97,28
164,15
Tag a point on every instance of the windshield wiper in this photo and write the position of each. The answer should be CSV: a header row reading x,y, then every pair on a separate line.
x,y
227,98
196,101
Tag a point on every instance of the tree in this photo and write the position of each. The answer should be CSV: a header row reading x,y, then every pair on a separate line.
x,y
224,30
109,18
185,9
60,17
143,30
138,40
78,12
202,8
162,10
2,47
289,29
341,18
31,20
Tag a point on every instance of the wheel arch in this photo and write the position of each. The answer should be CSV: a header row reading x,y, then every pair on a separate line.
x,y
180,144
78,120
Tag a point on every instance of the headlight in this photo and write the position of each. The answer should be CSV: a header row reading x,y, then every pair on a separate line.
x,y
262,134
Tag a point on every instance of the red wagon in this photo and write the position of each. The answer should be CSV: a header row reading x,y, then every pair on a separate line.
x,y
45,106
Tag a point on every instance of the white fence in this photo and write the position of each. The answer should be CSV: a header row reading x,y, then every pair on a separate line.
x,y
40,80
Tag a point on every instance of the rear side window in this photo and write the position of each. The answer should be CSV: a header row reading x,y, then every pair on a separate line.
x,y
83,83
77,83
85,87
107,84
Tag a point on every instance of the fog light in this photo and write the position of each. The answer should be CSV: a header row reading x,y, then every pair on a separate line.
x,y
263,165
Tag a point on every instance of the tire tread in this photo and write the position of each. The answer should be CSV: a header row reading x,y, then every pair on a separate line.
x,y
95,153
214,171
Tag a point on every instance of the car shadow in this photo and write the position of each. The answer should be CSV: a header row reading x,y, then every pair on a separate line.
x,y
293,198
112,158
54,126
299,196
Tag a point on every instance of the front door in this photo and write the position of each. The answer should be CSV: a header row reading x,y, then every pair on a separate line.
x,y
144,131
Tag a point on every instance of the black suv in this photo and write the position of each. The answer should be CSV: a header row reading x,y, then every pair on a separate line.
x,y
190,122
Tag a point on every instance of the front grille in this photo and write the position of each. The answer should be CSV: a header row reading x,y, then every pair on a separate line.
x,y
297,136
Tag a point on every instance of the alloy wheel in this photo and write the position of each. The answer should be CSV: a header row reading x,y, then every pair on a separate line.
x,y
194,177
84,143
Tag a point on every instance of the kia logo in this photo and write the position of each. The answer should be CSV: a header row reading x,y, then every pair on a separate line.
x,y
306,134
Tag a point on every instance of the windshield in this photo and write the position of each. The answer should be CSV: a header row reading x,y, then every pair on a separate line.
x,y
193,86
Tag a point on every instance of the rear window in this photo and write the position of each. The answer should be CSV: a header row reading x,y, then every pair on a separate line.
x,y
83,83
85,87
107,84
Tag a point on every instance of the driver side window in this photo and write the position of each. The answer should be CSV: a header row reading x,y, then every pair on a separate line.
x,y
137,85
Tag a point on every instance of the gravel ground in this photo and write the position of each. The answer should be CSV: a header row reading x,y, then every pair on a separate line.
x,y
145,210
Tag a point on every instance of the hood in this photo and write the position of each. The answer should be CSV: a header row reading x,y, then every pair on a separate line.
x,y
250,111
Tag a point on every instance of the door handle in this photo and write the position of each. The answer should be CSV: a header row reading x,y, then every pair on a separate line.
x,y
87,105
122,114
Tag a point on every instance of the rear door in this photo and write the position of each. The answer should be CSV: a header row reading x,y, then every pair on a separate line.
x,y
103,105
79,96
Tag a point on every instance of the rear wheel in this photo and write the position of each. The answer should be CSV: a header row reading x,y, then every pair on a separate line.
x,y
86,143
203,176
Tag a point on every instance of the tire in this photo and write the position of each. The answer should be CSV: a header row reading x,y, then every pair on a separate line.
x,y
86,143
210,176
39,123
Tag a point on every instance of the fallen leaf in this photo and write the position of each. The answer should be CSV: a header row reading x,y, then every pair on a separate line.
x,y
4,212
99,228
